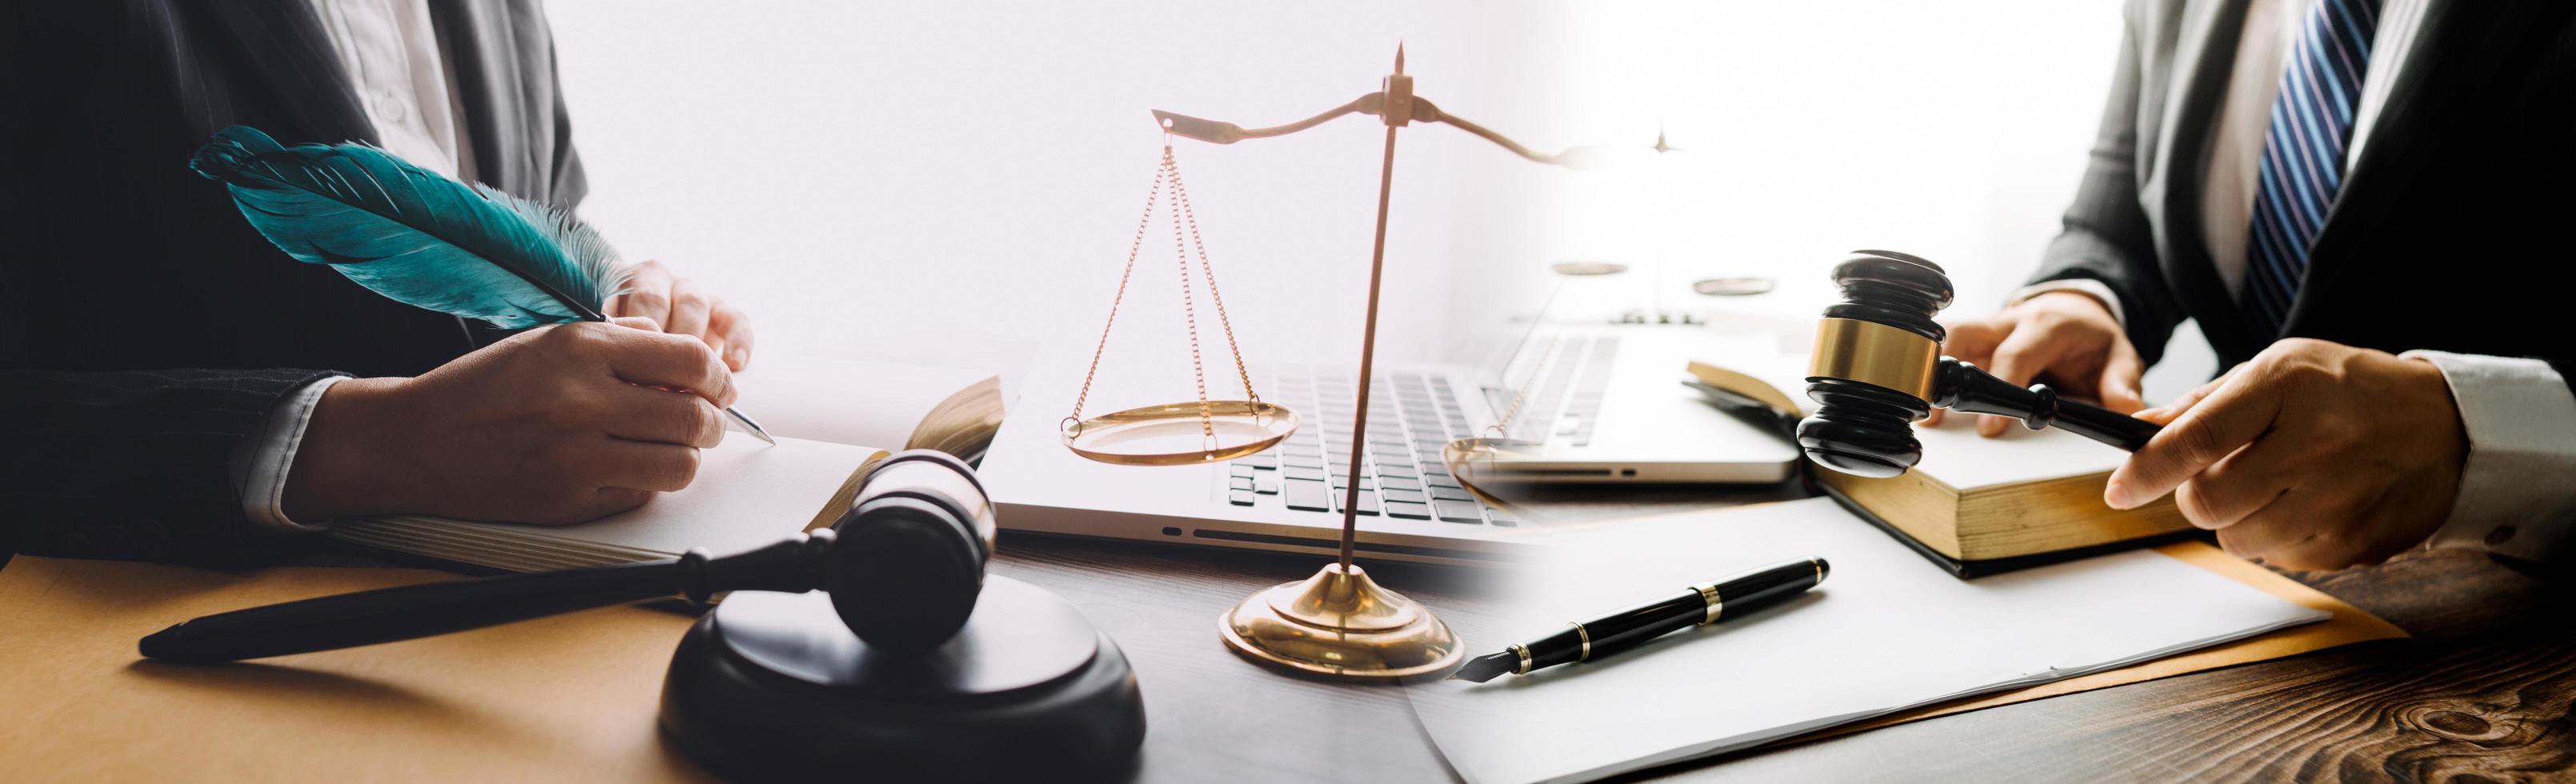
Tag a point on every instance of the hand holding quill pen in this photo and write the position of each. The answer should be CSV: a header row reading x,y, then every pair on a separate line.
x,y
419,237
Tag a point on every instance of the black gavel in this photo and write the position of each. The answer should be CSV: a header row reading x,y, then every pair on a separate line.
x,y
1878,369
904,565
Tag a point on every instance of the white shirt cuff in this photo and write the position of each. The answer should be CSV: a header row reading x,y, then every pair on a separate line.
x,y
2515,498
2086,286
260,467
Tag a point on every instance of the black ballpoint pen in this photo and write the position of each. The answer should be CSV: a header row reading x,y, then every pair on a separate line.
x,y
1698,605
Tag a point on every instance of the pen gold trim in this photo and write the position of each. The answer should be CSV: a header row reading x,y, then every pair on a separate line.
x,y
1750,591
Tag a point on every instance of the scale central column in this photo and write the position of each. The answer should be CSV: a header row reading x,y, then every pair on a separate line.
x,y
1339,622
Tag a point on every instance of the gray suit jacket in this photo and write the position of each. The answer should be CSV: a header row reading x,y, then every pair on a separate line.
x,y
2456,230
144,327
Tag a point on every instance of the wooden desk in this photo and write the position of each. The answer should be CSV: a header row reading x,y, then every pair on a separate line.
x,y
1211,715
2482,691
2485,688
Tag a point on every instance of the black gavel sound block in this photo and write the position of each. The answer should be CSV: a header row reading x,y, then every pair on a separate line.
x,y
909,665
1878,369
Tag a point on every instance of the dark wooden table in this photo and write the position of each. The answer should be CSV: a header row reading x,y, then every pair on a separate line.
x,y
2482,691
1213,716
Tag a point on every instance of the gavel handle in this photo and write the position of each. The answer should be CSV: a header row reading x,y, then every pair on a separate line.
x,y
414,611
1961,386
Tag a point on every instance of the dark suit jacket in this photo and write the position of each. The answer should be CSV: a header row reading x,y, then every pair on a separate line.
x,y
144,327
2453,231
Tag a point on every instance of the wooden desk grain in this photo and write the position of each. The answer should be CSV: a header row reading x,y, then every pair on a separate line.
x,y
2481,693
2484,691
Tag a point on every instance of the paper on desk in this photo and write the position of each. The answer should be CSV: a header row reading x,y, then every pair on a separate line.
x,y
1886,633
746,494
2349,625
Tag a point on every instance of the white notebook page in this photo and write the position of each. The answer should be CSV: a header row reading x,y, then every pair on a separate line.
x,y
1887,631
847,401
747,494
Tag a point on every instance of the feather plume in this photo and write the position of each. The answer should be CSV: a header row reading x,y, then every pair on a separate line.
x,y
413,234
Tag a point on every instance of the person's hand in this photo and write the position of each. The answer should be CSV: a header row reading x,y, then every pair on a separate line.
x,y
678,306
554,425
2313,455
2066,337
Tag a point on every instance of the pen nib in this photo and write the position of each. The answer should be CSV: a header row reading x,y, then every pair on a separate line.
x,y
1484,668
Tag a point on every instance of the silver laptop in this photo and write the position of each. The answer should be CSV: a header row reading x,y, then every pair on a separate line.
x,y
1601,403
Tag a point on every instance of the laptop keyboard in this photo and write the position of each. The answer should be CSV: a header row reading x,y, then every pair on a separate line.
x,y
1411,417
1549,414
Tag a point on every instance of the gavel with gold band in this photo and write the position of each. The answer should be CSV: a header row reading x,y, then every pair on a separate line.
x,y
1878,369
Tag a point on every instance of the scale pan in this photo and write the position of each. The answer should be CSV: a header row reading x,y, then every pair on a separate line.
x,y
1174,434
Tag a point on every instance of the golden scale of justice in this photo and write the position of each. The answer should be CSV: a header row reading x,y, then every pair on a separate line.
x,y
1338,622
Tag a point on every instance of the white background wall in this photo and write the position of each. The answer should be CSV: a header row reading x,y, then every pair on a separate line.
x,y
862,175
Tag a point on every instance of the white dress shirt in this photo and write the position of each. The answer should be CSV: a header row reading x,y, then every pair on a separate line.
x,y
2515,495
390,50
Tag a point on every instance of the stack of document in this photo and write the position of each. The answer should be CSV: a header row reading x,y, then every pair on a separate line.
x,y
1886,632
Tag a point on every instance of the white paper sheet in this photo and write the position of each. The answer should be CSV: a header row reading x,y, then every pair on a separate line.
x,y
846,401
746,494
1887,631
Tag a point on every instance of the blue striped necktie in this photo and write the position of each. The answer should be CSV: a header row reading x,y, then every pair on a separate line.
x,y
2303,153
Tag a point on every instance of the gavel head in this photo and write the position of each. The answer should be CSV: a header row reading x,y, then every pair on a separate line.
x,y
907,560
1876,356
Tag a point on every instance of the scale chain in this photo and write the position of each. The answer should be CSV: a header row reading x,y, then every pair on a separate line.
x,y
1152,196
1181,197
1185,238
1189,306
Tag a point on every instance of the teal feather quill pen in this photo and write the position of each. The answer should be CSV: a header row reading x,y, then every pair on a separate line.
x,y
417,236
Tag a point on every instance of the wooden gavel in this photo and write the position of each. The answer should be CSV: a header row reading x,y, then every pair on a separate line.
x,y
1878,369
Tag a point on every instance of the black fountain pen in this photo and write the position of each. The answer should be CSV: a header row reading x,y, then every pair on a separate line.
x,y
1698,605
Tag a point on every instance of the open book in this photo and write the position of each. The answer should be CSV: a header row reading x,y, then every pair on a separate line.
x,y
1978,504
833,420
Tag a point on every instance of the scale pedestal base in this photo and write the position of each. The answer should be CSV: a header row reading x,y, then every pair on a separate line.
x,y
1342,625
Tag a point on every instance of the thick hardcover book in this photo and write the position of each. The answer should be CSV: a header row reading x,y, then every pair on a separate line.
x,y
1965,569
1974,505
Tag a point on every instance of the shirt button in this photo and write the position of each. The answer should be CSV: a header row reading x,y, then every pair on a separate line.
x,y
388,107
2500,535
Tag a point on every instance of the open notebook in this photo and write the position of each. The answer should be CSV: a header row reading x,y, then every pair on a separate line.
x,y
832,419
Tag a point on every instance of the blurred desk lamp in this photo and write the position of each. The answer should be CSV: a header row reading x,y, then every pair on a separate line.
x,y
1338,623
